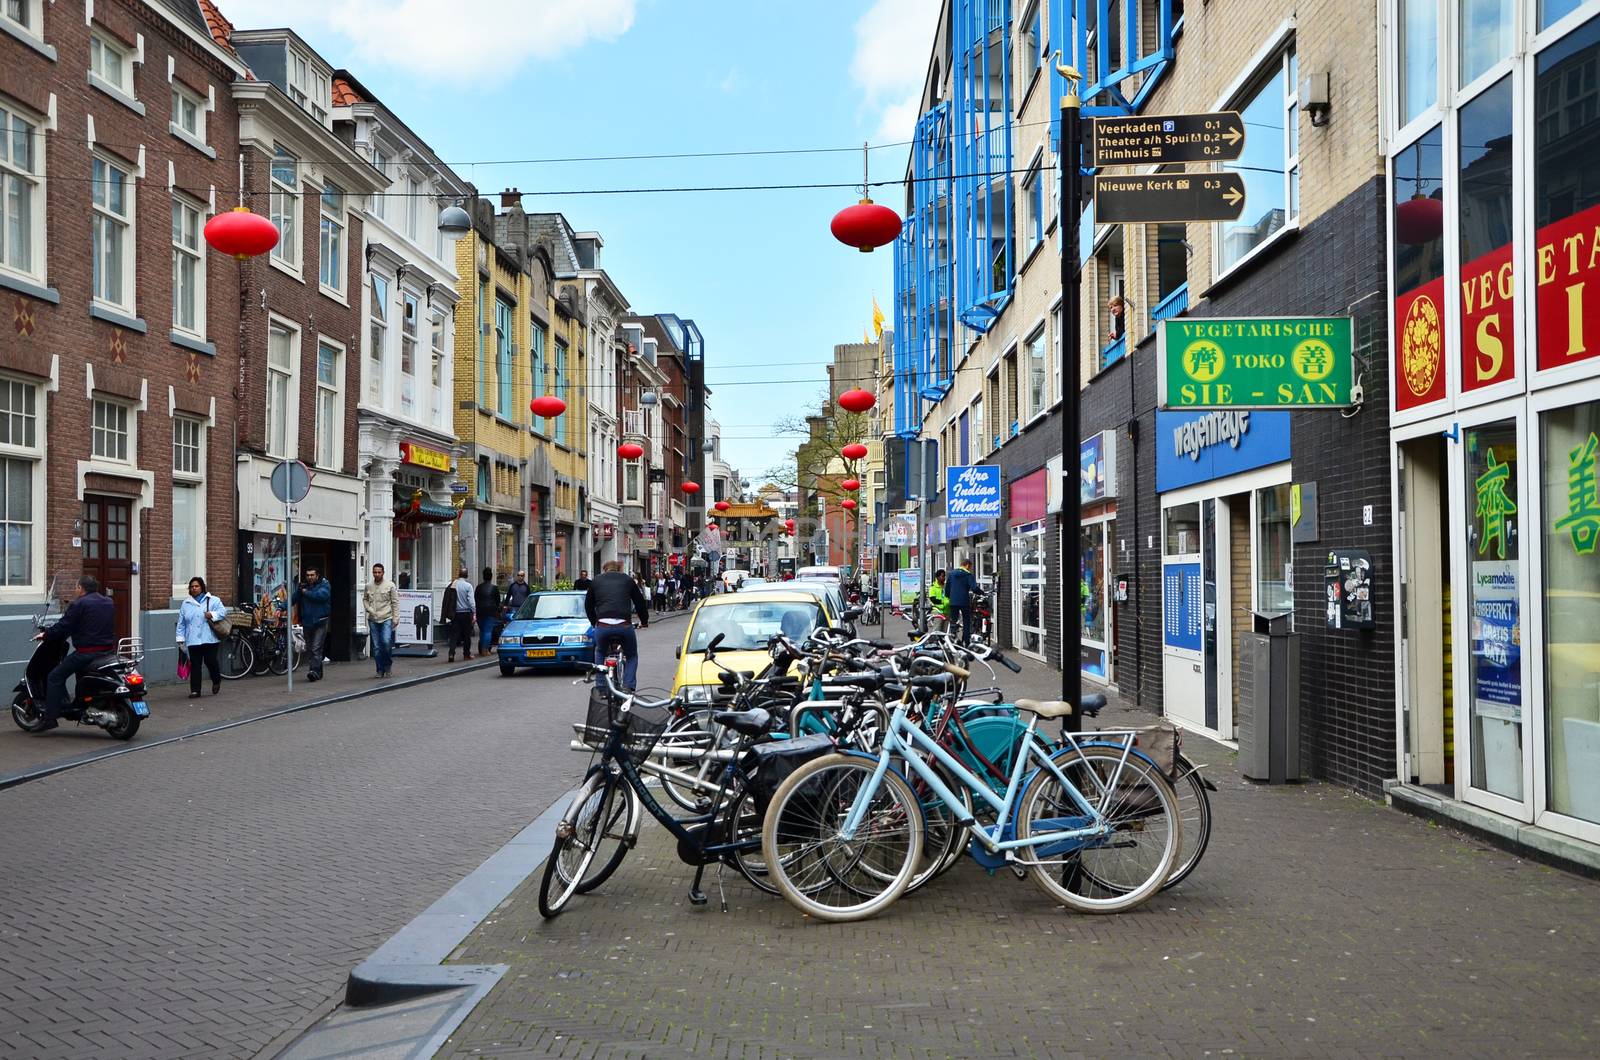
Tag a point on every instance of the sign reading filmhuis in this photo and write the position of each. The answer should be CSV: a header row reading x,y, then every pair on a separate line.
x,y
1254,362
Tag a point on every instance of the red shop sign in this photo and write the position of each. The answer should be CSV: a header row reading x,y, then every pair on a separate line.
x,y
1488,340
1030,497
1419,346
1568,271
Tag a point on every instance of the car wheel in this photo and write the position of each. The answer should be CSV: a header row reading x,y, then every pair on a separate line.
x,y
507,669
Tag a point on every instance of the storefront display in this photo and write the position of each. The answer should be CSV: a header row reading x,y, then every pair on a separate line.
x,y
1495,675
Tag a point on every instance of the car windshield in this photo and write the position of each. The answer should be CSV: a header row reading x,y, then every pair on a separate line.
x,y
554,605
749,626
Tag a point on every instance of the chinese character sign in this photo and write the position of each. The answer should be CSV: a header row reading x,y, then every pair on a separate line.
x,y
1493,505
972,492
1582,520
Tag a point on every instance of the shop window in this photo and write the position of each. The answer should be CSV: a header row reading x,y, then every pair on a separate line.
x,y
1485,34
1182,537
1487,334
1419,270
1274,551
1418,47
1270,164
1494,676
1572,609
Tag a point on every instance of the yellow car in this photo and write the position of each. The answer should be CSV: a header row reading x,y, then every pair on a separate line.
x,y
747,621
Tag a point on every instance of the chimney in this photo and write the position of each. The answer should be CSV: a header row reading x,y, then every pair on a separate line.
x,y
509,198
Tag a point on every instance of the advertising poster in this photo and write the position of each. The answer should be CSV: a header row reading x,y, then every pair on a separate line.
x,y
910,585
1496,641
418,612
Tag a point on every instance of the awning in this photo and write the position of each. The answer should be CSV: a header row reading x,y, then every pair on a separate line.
x,y
421,511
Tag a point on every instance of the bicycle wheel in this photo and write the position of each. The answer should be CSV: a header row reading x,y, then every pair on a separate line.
x,y
238,658
572,852
751,863
943,834
692,732
822,873
1119,870
1194,814
616,809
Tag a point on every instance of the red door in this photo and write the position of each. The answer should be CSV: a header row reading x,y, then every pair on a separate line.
x,y
108,553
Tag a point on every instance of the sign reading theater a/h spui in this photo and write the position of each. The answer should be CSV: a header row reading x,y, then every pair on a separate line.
x,y
1254,362
1161,139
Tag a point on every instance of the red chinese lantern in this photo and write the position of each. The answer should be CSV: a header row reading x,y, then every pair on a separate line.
x,y
548,406
857,400
788,524
690,487
241,234
853,451
1419,220
630,451
722,506
850,485
848,504
866,225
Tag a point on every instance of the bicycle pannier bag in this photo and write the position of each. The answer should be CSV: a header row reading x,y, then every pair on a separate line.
x,y
769,764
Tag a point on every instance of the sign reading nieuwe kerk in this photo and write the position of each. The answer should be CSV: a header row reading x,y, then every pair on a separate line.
x,y
1254,362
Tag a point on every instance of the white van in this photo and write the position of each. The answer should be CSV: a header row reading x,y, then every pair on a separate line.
x,y
832,575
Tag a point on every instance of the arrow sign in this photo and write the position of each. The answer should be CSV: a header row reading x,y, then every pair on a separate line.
x,y
1153,140
1175,197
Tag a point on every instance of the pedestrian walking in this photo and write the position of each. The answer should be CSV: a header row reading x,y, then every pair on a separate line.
x,y
314,598
645,589
196,638
661,594
960,587
458,600
486,599
382,602
517,594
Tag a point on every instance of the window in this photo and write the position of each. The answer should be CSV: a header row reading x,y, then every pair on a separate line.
x,y
330,240
437,340
485,481
479,329
21,196
412,211
188,271
285,205
963,449
112,226
309,87
110,431
186,445
377,339
1550,11
1038,374
561,389
281,348
537,373
188,114
1274,551
1485,191
1032,43
20,453
188,508
1172,260
1418,57
1270,164
1012,393
408,353
502,357
110,64
24,15
1485,33
1033,218
382,162
330,410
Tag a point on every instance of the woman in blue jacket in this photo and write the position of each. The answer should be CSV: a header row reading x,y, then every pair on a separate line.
x,y
198,611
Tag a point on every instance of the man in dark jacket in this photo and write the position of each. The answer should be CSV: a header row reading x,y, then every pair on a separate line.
x,y
91,622
314,598
584,581
610,603
517,593
487,599
958,589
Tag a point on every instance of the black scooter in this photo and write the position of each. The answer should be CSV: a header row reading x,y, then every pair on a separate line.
x,y
110,692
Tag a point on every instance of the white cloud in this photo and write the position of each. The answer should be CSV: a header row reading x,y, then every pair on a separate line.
x,y
894,39
442,40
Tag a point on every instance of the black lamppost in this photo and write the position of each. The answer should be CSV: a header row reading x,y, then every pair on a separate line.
x,y
1071,382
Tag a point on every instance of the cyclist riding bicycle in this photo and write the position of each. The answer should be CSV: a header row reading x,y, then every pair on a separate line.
x,y
610,603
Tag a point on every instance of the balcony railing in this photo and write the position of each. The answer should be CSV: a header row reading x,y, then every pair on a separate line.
x,y
1113,351
1173,305
633,422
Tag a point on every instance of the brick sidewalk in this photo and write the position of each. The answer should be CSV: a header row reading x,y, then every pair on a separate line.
x,y
1319,924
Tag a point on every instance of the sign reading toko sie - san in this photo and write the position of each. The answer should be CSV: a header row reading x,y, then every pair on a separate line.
x,y
1254,362
972,491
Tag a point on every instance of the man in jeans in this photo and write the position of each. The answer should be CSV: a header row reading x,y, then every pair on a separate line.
x,y
91,622
610,602
959,588
486,600
314,598
460,616
382,601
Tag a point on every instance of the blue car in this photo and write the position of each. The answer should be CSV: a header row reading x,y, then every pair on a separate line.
x,y
549,630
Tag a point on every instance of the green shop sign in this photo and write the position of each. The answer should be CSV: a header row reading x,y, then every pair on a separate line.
x,y
1254,362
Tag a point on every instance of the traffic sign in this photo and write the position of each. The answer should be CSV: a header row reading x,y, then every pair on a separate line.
x,y
1173,197
291,481
1164,138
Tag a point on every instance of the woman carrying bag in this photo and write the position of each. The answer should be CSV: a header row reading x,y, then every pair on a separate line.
x,y
198,619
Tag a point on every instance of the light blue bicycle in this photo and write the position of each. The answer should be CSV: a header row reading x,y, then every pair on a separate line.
x,y
1095,826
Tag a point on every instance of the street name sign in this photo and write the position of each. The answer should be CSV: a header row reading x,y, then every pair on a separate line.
x,y
1254,362
1165,138
1175,197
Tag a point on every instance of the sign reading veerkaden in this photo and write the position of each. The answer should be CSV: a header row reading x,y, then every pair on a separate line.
x,y
1161,139
1254,362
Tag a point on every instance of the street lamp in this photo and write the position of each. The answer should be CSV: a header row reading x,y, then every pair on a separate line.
x,y
454,222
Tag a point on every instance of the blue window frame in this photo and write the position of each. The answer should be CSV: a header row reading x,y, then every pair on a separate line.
x,y
984,215
502,356
931,165
961,438
907,417
560,390
536,373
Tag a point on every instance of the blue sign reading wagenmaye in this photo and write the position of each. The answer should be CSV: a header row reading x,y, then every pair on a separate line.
x,y
972,492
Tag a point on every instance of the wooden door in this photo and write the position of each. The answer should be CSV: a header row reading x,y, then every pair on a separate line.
x,y
108,553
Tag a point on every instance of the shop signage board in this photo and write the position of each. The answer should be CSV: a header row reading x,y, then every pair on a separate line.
x,y
1254,362
414,623
1097,467
1153,198
1194,447
422,456
1162,139
972,491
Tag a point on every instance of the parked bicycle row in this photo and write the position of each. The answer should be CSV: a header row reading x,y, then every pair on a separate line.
x,y
848,772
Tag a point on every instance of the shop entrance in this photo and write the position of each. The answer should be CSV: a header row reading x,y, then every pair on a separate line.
x,y
108,553
1029,581
1427,684
1184,669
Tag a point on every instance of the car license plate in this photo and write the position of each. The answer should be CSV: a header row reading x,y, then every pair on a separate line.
x,y
140,708
541,653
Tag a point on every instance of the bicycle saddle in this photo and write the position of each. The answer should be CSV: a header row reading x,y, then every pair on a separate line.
x,y
752,722
1091,705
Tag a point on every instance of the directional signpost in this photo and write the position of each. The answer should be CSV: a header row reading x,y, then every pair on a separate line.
x,y
1166,138
1177,197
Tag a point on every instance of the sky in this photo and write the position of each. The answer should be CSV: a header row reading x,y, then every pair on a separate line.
x,y
493,85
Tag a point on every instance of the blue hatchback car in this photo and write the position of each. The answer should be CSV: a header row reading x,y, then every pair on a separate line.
x,y
549,630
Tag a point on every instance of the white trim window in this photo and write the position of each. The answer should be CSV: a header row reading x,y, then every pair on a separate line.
x,y
1270,164
330,240
330,406
283,343
377,339
188,502
413,195
285,199
383,162
309,87
1037,375
27,16
21,483
111,65
1033,216
188,270
21,195
437,340
632,483
110,436
408,353
112,225
188,114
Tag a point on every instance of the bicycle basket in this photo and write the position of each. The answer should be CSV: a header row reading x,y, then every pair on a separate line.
x,y
645,724
597,728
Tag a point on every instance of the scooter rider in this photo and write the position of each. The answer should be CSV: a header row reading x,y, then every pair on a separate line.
x,y
610,602
91,622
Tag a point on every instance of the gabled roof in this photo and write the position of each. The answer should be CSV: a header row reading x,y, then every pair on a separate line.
x,y
221,29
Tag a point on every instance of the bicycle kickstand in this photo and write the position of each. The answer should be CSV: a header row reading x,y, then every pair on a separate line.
x,y
722,894
696,895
